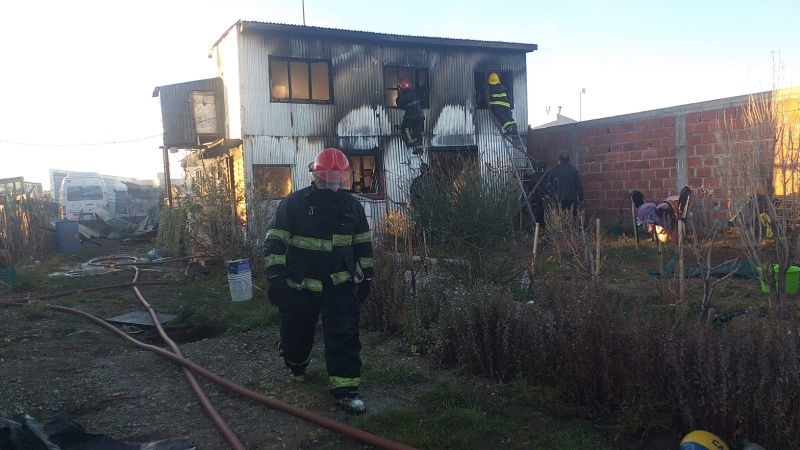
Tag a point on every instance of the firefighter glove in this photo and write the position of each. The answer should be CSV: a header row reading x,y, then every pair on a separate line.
x,y
363,291
278,291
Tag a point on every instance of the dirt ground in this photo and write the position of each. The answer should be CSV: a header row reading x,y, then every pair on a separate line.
x,y
51,361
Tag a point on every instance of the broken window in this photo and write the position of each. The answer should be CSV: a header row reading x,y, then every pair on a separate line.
x,y
480,86
365,166
272,181
295,80
416,76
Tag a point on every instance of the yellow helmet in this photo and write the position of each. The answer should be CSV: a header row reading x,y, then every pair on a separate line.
x,y
493,78
700,439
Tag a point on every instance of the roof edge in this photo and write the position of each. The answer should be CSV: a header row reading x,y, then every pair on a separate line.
x,y
373,36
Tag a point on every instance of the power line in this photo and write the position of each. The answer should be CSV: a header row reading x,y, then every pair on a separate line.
x,y
85,144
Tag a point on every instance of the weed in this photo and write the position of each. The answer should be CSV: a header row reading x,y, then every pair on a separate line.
x,y
571,439
248,319
394,374
35,311
526,392
371,340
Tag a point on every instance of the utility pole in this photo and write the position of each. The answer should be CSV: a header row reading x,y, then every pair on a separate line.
x,y
167,180
303,2
580,105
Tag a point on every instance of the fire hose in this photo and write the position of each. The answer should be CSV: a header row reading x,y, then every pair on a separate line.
x,y
189,368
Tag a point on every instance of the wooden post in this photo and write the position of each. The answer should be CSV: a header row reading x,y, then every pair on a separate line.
x,y
535,247
682,280
635,228
167,179
597,258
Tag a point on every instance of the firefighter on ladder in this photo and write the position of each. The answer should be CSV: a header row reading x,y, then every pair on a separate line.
x,y
413,123
500,104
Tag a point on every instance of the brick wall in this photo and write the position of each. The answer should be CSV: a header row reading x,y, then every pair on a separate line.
x,y
656,152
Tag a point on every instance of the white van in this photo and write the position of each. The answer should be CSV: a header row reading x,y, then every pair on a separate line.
x,y
81,194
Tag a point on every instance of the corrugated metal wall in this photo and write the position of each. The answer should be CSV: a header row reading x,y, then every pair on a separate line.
x,y
176,115
291,133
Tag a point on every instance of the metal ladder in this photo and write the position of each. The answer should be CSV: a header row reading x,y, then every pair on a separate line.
x,y
517,156
521,163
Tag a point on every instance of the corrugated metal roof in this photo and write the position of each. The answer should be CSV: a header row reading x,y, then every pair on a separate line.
x,y
353,35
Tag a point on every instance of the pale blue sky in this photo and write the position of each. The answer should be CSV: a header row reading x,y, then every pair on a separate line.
x,y
78,76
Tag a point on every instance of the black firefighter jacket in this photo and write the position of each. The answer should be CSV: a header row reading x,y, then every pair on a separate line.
x,y
318,234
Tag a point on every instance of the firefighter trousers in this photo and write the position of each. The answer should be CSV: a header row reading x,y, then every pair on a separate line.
x,y
340,310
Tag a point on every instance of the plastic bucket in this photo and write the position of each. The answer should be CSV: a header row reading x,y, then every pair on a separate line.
x,y
792,279
68,239
240,280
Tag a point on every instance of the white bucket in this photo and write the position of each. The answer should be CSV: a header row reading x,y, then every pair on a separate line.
x,y
240,280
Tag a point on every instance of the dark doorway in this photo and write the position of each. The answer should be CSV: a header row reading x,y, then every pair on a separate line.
x,y
449,162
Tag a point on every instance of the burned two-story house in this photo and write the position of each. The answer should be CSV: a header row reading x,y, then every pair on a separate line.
x,y
285,92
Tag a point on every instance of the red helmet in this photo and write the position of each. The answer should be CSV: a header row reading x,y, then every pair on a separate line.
x,y
331,170
403,84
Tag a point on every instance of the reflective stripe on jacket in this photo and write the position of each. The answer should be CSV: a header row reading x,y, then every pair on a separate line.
x,y
498,96
318,235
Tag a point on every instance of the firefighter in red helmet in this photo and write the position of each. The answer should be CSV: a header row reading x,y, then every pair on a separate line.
x,y
318,255
413,124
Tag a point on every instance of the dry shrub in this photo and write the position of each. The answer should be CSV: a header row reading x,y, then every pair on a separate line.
x,y
472,224
761,147
383,311
26,227
206,222
741,381
644,364
482,329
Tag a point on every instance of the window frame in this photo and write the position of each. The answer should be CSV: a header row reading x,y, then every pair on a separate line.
x,y
421,84
258,186
481,75
377,175
289,61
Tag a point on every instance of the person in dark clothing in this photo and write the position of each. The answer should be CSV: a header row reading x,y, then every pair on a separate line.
x,y
500,104
537,200
425,191
318,259
564,184
413,124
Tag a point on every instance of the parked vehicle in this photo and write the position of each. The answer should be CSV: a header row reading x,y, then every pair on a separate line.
x,y
81,194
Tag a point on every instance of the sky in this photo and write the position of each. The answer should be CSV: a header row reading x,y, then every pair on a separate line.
x,y
78,76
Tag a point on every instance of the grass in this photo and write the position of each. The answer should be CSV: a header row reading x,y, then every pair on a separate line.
x,y
449,417
394,374
573,438
244,316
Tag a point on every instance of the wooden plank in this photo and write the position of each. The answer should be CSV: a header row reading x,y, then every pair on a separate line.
x,y
87,232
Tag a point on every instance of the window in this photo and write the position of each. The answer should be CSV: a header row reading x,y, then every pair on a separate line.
x,y
295,80
480,86
80,193
272,182
418,77
366,176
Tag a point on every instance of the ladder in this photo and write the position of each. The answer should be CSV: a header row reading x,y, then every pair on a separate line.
x,y
518,156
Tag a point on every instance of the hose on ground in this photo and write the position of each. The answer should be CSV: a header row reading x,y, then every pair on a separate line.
x,y
205,402
188,365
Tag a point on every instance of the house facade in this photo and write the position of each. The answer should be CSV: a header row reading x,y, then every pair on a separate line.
x,y
285,92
